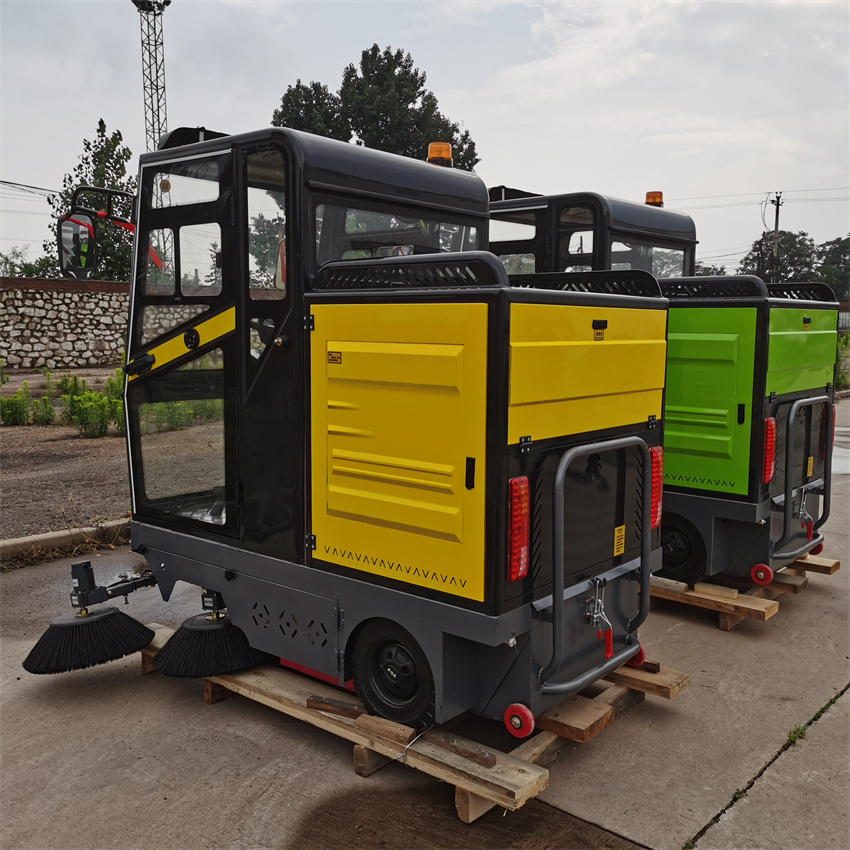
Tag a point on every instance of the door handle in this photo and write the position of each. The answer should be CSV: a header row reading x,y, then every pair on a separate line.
x,y
140,365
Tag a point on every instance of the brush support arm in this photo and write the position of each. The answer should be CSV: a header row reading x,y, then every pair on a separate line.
x,y
86,592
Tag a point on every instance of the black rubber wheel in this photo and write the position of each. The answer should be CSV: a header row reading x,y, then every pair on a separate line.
x,y
682,550
392,674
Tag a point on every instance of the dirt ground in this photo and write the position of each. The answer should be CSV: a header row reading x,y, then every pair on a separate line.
x,y
51,478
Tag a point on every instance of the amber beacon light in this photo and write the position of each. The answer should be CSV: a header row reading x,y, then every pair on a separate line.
x,y
655,199
440,153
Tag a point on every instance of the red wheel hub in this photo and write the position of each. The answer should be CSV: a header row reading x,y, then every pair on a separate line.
x,y
519,720
761,574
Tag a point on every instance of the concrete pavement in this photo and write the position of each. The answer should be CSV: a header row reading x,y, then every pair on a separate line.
x,y
108,758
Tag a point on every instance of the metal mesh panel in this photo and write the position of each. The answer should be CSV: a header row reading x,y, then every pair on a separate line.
x,y
449,271
801,291
633,282
713,287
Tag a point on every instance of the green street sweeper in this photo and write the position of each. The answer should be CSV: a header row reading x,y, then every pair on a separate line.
x,y
750,379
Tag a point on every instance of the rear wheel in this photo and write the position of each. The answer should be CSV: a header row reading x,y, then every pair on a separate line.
x,y
761,574
682,550
392,674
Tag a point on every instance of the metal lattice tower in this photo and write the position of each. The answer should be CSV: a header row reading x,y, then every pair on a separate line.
x,y
153,69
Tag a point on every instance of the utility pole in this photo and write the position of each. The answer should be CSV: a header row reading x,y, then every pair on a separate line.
x,y
774,263
153,69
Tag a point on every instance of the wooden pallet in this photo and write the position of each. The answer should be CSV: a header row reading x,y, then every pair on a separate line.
x,y
483,776
736,598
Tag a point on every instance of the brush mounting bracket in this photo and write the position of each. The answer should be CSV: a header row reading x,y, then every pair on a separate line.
x,y
87,592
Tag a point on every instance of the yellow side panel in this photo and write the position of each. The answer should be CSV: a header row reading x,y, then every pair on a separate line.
x,y
398,406
564,381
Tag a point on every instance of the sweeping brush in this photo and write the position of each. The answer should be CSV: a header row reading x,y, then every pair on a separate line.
x,y
206,645
76,641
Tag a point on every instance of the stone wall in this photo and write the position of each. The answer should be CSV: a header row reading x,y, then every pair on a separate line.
x,y
62,324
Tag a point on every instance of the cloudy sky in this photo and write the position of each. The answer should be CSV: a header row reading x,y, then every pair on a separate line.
x,y
718,104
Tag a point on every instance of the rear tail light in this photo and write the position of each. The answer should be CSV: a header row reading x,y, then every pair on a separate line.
x,y
518,531
657,457
769,466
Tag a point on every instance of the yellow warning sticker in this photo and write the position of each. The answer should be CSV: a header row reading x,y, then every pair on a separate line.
x,y
597,335
809,466
334,357
619,540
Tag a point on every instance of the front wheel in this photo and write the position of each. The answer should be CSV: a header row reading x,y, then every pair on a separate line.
x,y
392,674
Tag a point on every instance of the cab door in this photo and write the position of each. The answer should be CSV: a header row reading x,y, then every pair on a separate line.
x,y
181,398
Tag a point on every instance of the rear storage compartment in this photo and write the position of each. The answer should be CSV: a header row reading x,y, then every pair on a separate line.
x,y
748,423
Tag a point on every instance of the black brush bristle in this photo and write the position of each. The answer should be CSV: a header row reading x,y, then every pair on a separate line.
x,y
74,642
206,647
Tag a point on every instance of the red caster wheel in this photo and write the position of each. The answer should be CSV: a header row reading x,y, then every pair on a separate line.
x,y
637,660
761,574
519,720
816,550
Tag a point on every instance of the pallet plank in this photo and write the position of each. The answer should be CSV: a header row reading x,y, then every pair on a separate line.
x,y
816,564
510,782
578,719
744,606
665,683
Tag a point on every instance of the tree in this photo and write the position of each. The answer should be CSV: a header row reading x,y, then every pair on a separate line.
x,y
707,269
314,109
383,104
833,258
795,257
103,163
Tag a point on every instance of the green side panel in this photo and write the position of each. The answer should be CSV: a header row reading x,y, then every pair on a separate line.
x,y
799,358
710,367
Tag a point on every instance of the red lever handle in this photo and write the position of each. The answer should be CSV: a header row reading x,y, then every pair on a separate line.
x,y
809,530
609,641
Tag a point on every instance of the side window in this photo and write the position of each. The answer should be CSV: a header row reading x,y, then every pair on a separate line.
x,y
383,230
200,259
267,283
181,441
576,225
517,238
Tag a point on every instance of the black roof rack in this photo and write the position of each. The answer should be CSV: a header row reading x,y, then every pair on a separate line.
x,y
471,268
632,282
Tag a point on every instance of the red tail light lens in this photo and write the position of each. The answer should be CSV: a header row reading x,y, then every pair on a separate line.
x,y
518,539
769,467
657,457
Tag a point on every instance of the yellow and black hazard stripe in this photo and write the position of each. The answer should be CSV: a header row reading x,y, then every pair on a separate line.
x,y
197,336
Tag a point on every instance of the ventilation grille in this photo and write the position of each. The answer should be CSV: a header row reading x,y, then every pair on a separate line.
x,y
313,631
473,268
632,282
713,287
801,291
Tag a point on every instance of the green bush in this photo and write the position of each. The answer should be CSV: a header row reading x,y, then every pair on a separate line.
x,y
43,412
114,386
4,378
71,385
118,415
15,410
91,413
